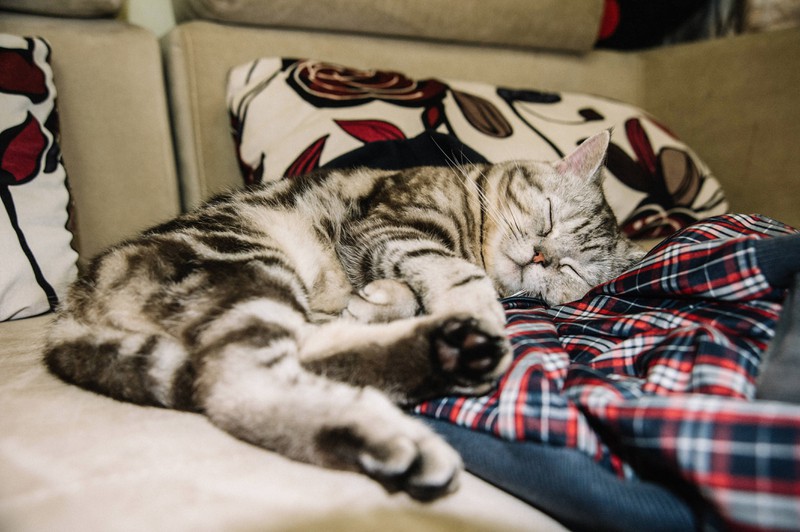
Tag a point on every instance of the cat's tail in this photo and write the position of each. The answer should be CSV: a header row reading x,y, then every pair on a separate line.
x,y
142,368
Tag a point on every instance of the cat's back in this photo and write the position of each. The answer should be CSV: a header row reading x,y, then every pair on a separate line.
x,y
307,211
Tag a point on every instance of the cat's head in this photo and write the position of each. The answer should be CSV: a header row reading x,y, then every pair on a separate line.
x,y
551,232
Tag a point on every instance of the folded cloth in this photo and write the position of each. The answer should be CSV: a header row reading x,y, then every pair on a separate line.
x,y
653,376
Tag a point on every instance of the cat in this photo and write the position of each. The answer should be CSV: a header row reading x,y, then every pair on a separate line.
x,y
297,315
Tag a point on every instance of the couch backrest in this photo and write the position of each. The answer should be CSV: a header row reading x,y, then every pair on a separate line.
x,y
557,25
733,100
115,132
200,53
65,8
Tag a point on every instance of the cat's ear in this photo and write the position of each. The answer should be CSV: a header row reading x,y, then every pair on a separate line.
x,y
587,159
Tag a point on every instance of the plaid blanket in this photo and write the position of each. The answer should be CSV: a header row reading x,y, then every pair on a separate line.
x,y
653,375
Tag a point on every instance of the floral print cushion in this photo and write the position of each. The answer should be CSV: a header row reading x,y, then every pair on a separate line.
x,y
37,260
293,116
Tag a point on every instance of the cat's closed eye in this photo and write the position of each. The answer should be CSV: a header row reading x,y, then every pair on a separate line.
x,y
571,270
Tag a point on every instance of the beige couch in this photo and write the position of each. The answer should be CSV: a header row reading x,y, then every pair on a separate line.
x,y
71,460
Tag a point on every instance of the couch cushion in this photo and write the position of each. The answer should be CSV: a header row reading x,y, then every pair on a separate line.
x,y
65,8
74,460
293,116
38,262
570,25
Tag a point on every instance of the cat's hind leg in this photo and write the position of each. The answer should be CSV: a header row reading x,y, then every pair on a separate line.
x,y
138,367
248,380
250,383
222,339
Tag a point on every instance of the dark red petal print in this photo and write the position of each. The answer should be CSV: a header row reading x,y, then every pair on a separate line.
x,y
21,150
371,130
20,75
308,161
641,145
483,115
433,117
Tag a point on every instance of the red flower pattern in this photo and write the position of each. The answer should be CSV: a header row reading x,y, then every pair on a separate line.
x,y
22,150
670,179
371,130
330,85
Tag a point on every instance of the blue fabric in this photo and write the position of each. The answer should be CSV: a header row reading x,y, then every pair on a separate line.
x,y
571,487
779,258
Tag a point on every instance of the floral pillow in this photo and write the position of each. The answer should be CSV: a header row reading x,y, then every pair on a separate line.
x,y
294,116
38,262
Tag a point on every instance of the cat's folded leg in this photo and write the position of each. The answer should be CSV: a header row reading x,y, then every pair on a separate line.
x,y
381,301
410,359
463,335
450,286
261,394
248,380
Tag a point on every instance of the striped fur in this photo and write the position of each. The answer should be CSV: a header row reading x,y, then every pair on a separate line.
x,y
296,315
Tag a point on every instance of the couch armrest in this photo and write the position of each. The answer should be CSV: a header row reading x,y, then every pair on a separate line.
x,y
115,130
735,101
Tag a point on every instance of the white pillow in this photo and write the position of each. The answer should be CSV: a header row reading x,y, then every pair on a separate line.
x,y
292,116
37,259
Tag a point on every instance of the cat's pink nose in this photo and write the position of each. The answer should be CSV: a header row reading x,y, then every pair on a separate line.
x,y
538,258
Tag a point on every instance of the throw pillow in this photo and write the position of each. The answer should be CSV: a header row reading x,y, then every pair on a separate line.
x,y
292,116
38,262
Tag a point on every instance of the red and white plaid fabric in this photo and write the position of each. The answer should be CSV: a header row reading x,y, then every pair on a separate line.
x,y
653,375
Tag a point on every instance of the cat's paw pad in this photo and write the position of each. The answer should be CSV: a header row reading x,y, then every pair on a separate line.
x,y
381,301
426,468
473,357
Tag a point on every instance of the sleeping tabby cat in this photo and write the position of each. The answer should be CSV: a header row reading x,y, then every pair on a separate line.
x,y
297,314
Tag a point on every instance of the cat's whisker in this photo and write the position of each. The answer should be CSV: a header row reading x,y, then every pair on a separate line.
x,y
498,216
509,223
492,212
519,232
514,223
507,226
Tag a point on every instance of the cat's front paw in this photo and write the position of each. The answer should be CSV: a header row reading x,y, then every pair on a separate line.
x,y
469,355
382,301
